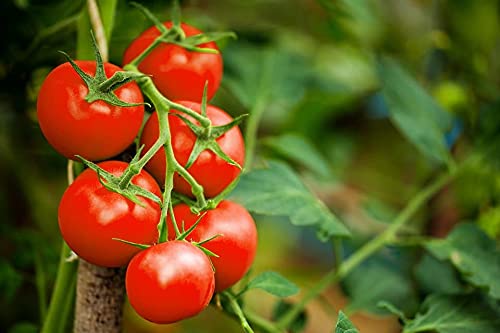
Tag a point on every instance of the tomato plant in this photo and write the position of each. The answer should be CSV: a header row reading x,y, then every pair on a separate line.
x,y
169,282
90,216
75,126
235,244
319,168
178,73
210,170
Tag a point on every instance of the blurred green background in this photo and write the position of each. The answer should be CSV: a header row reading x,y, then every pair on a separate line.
x,y
316,65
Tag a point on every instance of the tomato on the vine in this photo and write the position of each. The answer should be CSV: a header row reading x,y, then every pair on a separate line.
x,y
236,244
169,282
96,130
210,170
90,216
177,72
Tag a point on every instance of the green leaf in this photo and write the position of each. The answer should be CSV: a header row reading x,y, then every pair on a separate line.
x,y
10,280
278,191
344,325
443,280
23,328
266,76
281,308
274,283
414,112
391,285
474,254
392,309
299,150
455,314
489,221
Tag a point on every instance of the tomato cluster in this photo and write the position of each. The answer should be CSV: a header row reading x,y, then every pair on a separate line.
x,y
175,279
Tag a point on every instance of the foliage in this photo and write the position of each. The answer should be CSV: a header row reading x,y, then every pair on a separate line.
x,y
354,106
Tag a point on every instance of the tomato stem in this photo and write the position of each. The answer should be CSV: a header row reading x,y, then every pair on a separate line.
x,y
235,307
62,296
369,248
257,111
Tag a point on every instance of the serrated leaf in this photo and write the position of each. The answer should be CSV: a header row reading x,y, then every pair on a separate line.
x,y
392,309
281,308
455,314
10,280
414,112
266,76
300,150
274,283
344,325
393,286
474,254
443,280
278,191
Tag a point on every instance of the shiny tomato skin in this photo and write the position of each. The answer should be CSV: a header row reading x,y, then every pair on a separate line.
x,y
177,72
90,216
211,171
169,282
236,245
94,130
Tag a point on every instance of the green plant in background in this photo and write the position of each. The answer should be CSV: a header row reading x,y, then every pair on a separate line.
x,y
322,117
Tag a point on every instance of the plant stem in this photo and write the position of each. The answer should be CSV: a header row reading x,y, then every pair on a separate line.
x,y
41,284
235,307
203,120
261,323
55,321
257,110
96,22
369,248
163,106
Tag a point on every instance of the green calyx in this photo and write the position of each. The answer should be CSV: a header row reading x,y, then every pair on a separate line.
x,y
207,139
101,87
176,35
116,184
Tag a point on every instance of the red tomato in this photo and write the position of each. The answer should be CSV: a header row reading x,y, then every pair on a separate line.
x,y
211,171
169,282
177,72
94,130
236,245
90,216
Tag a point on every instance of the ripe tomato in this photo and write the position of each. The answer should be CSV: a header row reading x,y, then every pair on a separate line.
x,y
90,216
211,171
236,245
94,130
177,72
169,282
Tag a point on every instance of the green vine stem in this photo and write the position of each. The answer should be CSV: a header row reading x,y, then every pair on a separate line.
x,y
369,248
258,109
163,106
235,307
62,296
261,323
